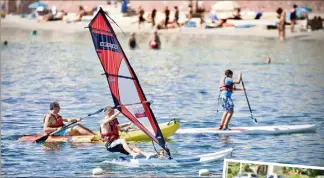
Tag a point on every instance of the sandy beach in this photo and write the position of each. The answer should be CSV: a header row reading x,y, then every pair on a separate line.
x,y
128,25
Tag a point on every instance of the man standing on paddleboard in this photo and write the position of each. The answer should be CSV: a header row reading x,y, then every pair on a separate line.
x,y
109,130
226,87
54,122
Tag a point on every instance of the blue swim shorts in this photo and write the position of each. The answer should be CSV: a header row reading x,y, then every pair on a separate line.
x,y
227,103
64,132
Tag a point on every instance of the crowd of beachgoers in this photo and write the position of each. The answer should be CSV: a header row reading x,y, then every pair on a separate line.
x,y
194,17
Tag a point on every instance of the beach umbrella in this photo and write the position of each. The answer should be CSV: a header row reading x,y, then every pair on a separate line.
x,y
304,9
301,9
225,6
34,5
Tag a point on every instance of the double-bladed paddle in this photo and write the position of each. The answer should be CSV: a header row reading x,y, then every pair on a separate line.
x,y
44,137
252,117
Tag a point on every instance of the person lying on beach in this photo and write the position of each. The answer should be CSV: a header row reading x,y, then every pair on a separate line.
x,y
161,25
40,12
221,23
53,17
236,14
82,12
224,23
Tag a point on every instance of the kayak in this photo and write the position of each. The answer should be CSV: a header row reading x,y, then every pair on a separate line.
x,y
204,158
167,129
283,129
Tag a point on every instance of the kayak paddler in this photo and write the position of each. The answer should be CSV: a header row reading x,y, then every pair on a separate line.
x,y
54,122
226,87
109,131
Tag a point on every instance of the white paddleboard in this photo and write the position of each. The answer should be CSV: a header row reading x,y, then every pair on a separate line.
x,y
283,129
205,158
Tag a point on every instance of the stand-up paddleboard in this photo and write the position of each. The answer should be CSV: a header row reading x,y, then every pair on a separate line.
x,y
283,129
205,158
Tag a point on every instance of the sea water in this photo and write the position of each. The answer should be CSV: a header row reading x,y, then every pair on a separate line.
x,y
182,80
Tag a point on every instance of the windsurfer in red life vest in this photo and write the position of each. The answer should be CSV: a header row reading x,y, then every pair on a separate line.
x,y
54,122
109,130
226,86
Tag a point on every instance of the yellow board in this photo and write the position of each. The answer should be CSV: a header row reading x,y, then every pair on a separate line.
x,y
167,129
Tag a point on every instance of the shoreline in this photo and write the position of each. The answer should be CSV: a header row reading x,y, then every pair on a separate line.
x,y
16,22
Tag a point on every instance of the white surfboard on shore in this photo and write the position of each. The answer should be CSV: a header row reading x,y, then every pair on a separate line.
x,y
265,130
204,158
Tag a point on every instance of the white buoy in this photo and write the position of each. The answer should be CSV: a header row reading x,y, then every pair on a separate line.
x,y
97,171
203,172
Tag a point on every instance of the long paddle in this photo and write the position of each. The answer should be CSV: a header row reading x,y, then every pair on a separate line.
x,y
252,117
44,137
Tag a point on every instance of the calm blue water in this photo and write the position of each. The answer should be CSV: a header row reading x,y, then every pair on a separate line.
x,y
181,79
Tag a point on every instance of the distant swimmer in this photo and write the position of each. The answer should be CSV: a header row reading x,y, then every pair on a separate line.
x,y
226,87
132,41
34,32
5,43
268,60
155,42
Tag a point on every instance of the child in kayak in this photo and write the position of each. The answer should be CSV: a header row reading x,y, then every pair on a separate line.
x,y
53,122
226,87
109,130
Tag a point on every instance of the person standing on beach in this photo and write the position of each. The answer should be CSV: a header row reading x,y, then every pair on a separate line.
x,y
3,10
201,11
140,16
190,13
281,23
167,16
176,15
153,14
226,87
293,18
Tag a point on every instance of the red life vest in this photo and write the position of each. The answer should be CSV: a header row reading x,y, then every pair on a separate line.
x,y
223,86
59,121
113,134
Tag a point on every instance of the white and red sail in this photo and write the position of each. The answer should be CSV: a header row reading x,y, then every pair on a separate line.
x,y
123,83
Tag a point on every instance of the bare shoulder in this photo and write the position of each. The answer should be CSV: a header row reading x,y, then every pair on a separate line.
x,y
47,117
